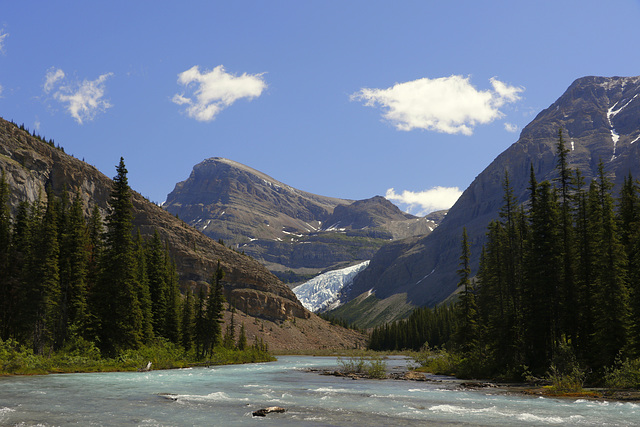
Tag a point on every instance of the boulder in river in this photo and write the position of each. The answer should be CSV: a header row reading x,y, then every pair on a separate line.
x,y
264,411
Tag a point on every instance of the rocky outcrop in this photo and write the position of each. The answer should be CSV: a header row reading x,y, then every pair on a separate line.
x,y
600,118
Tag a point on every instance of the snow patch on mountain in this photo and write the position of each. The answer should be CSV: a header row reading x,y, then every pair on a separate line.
x,y
611,114
321,291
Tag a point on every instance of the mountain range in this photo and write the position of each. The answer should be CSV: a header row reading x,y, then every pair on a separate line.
x,y
225,211
600,121
269,308
294,233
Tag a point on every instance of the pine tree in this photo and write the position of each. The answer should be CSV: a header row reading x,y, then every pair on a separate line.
x,y
242,338
229,339
143,295
73,271
187,322
544,264
567,291
158,288
172,318
612,310
7,281
45,279
214,311
117,306
200,324
95,248
21,318
466,334
585,239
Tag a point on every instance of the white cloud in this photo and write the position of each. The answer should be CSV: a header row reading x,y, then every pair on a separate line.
x,y
213,91
84,100
0,91
3,36
510,127
446,104
423,202
52,78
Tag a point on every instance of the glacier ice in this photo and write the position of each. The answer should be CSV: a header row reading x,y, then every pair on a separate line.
x,y
321,291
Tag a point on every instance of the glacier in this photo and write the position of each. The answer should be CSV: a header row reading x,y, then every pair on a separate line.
x,y
320,292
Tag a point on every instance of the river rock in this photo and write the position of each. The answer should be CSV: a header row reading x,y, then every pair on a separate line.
x,y
264,411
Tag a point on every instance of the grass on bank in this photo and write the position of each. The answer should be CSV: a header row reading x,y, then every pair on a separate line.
x,y
84,356
564,378
370,366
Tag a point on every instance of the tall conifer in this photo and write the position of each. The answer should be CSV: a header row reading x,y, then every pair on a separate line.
x,y
118,306
612,311
7,281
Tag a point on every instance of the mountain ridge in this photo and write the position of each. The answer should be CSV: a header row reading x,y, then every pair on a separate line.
x,y
296,234
29,164
425,270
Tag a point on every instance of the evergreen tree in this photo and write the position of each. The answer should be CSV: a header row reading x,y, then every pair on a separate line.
x,y
73,271
567,291
118,307
229,339
629,231
242,338
95,237
187,322
158,288
544,266
214,311
612,311
45,279
20,264
585,239
200,324
143,295
7,281
466,334
172,318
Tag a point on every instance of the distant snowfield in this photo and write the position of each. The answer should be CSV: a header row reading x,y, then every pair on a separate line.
x,y
321,291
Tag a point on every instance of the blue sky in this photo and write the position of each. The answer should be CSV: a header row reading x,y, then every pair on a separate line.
x,y
351,99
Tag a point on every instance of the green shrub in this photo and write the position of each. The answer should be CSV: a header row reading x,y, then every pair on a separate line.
x,y
371,366
439,362
571,381
623,375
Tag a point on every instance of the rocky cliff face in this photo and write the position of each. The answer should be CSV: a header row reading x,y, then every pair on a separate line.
x,y
600,118
30,164
292,232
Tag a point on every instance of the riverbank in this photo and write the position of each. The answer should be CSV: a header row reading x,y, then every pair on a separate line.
x,y
453,383
17,360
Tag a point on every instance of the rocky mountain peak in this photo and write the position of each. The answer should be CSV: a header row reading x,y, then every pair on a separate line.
x,y
600,121
296,234
373,212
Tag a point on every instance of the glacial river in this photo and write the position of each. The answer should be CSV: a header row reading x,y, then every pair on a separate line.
x,y
227,396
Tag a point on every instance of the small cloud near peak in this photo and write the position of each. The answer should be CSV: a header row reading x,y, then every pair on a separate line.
x,y
423,202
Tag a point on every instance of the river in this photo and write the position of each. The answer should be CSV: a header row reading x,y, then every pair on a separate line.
x,y
227,396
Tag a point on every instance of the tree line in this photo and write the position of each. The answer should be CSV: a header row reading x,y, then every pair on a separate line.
x,y
559,279
67,280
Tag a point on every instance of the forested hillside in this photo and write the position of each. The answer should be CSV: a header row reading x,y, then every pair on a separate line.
x,y
63,279
558,285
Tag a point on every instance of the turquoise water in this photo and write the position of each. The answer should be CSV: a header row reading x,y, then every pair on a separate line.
x,y
227,395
